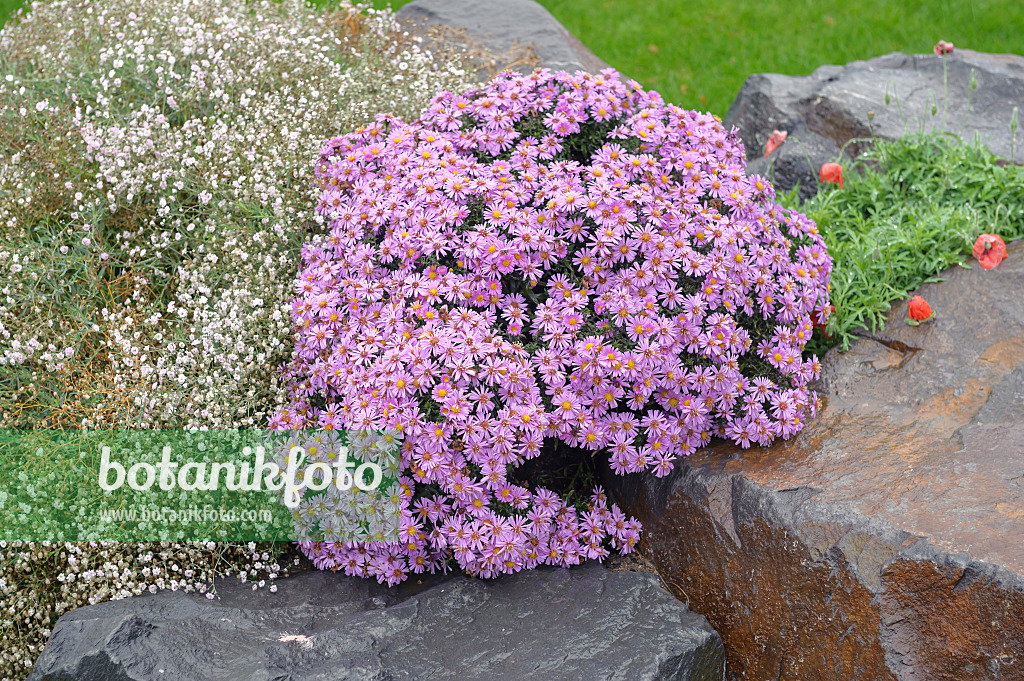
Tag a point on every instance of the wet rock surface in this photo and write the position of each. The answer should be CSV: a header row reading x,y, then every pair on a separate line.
x,y
586,623
822,112
885,541
500,25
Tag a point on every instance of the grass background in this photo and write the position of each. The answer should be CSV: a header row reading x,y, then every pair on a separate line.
x,y
698,53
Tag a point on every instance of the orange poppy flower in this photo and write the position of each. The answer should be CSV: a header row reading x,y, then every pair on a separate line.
x,y
775,141
919,309
832,172
990,250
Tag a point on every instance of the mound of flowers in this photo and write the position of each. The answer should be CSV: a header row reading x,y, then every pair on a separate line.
x,y
553,258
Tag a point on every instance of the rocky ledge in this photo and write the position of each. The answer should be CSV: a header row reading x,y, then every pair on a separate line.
x,y
506,26
885,540
824,111
586,623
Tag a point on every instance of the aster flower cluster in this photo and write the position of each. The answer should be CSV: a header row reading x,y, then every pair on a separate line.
x,y
553,257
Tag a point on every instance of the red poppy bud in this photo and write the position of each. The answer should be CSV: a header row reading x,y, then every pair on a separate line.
x,y
821,321
919,309
832,172
990,250
775,141
942,47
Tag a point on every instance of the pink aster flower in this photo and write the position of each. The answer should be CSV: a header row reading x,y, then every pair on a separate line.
x,y
493,294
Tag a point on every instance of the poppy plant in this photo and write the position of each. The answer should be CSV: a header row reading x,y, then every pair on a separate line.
x,y
832,172
775,141
990,250
919,310
942,48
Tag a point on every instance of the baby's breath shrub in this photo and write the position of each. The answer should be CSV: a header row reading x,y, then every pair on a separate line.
x,y
155,191
154,196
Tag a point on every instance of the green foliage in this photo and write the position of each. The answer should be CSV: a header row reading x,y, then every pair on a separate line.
x,y
910,209
8,7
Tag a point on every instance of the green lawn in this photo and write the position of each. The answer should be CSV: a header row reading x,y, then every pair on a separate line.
x,y
697,53
7,7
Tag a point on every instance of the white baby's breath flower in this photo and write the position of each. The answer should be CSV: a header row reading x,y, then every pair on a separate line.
x,y
202,204
175,148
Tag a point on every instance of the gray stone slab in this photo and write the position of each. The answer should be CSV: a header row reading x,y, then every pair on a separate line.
x,y
823,111
501,24
585,623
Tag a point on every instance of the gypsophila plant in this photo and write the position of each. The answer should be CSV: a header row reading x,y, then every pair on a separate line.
x,y
41,580
155,190
154,195
552,258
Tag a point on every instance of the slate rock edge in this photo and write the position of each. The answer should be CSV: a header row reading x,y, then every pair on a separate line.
x,y
500,25
883,541
828,108
587,622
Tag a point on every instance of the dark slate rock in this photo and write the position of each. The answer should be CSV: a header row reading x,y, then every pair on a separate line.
x,y
885,540
502,24
825,110
585,623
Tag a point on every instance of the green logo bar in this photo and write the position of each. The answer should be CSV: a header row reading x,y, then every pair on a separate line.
x,y
155,485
